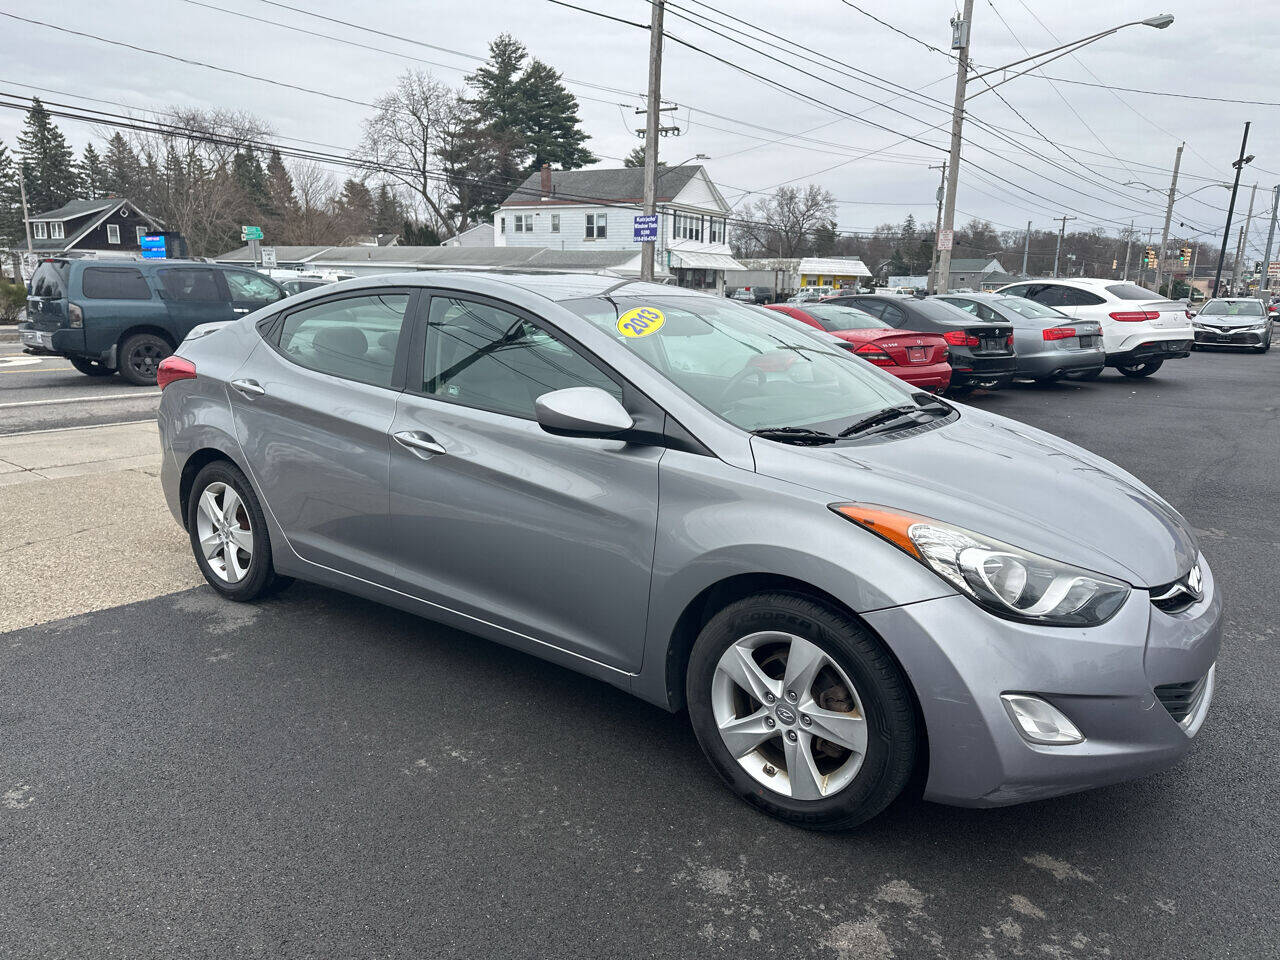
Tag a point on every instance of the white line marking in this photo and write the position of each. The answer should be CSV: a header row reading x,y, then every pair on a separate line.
x,y
83,426
19,361
96,396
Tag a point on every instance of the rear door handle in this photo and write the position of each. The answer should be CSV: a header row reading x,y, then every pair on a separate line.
x,y
419,442
250,388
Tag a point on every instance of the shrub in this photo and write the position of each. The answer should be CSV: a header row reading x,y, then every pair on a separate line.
x,y
13,298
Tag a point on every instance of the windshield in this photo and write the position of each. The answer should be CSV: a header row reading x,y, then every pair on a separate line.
x,y
743,365
1233,308
835,317
1028,308
1131,291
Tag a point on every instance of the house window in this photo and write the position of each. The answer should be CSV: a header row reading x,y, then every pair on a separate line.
x,y
688,227
113,233
56,230
502,224
715,228
38,230
140,232
555,223
597,226
524,223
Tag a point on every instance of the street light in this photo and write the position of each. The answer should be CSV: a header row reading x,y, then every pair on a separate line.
x,y
962,36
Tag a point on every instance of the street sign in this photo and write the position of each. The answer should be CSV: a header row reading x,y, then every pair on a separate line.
x,y
269,257
152,245
645,227
945,238
250,233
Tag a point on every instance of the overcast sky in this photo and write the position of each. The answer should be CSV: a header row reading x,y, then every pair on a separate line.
x,y
1221,49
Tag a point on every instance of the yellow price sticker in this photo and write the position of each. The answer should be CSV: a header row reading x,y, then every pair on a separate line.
x,y
641,322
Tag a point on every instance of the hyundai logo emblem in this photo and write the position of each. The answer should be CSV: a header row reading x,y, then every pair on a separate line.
x,y
785,714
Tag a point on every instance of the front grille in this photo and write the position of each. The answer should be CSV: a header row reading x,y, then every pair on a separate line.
x,y
1172,598
1181,699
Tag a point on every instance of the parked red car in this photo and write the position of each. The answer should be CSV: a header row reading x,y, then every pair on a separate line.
x,y
918,358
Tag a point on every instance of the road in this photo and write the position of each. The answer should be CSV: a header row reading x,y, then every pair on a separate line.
x,y
318,776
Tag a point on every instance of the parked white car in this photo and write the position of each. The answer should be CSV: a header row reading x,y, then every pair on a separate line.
x,y
1140,329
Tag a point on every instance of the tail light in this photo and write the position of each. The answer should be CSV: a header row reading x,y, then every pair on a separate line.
x,y
961,338
1192,316
75,316
1059,333
869,351
1008,341
174,368
1135,316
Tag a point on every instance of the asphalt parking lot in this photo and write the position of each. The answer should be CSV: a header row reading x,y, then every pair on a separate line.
x,y
320,776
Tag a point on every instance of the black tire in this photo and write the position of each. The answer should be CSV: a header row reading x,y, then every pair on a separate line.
x,y
140,356
261,580
1137,371
91,368
888,707
1087,375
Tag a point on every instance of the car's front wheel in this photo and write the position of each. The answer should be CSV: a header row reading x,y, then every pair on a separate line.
x,y
1137,371
802,711
229,534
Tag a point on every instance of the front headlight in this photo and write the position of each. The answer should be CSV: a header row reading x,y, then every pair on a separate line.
x,y
1006,580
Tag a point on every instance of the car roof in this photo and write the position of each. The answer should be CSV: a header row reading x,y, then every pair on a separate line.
x,y
552,286
1086,282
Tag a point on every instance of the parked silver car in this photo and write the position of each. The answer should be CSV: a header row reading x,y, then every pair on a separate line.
x,y
1049,344
1233,322
842,579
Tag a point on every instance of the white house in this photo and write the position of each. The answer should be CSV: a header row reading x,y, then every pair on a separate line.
x,y
594,210
481,235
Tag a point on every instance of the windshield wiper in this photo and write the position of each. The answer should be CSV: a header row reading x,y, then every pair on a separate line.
x,y
888,414
797,435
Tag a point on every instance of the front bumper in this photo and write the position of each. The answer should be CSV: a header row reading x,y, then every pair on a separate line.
x,y
1151,350
1232,338
960,659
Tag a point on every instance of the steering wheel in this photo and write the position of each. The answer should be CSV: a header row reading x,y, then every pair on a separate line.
x,y
741,377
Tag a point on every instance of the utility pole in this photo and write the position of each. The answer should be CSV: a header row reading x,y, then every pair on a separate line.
x,y
1058,249
960,44
1026,249
1151,232
1265,282
1191,276
652,119
1240,247
932,282
1226,230
1128,245
26,222
1168,215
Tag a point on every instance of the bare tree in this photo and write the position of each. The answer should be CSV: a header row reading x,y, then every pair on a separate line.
x,y
784,223
311,221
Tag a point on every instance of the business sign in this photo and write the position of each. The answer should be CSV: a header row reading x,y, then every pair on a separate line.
x,y
1273,268
250,233
153,246
945,238
645,227
269,257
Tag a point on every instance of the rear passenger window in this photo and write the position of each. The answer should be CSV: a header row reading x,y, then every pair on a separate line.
x,y
50,280
354,338
114,283
251,286
485,357
191,283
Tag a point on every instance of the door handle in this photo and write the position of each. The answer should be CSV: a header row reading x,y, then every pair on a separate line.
x,y
419,442
239,309
250,388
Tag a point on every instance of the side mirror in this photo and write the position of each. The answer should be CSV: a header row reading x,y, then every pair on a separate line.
x,y
582,412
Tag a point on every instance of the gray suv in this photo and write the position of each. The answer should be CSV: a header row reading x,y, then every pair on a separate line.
x,y
843,580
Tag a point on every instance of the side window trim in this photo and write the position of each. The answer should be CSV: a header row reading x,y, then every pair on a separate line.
x,y
271,328
417,353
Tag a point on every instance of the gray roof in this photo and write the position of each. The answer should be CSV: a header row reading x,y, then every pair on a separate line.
x,y
970,264
79,208
602,186
283,254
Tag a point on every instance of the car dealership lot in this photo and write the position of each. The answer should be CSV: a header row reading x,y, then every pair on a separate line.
x,y
322,776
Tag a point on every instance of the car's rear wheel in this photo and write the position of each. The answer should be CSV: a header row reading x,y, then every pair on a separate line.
x,y
91,368
140,357
801,711
1137,371
229,534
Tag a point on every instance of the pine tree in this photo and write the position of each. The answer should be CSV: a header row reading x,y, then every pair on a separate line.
x,y
12,231
636,158
122,170
279,185
252,181
499,95
354,209
93,174
550,123
388,212
48,164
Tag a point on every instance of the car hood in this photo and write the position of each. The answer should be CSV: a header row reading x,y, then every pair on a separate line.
x,y
1225,321
1003,479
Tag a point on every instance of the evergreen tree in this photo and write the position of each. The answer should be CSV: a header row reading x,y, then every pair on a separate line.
x,y
122,170
636,158
252,181
93,174
354,209
48,164
279,186
12,230
388,212
499,93
550,124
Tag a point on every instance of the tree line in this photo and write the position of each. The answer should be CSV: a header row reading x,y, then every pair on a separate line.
x,y
433,161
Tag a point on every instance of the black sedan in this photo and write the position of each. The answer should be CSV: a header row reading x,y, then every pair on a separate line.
x,y
981,353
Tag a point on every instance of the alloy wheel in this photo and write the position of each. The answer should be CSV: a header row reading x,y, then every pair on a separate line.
x,y
789,715
225,532
145,359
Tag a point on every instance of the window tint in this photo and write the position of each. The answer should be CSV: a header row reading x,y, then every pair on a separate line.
x,y
873,307
1019,291
1131,291
485,357
251,286
937,311
114,283
835,317
893,315
49,280
1029,308
190,283
1050,294
354,338
1073,297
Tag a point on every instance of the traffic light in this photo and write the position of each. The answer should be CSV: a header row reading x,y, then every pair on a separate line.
x,y
1184,255
1114,263
1150,257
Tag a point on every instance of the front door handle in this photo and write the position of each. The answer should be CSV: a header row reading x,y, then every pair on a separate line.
x,y
250,388
419,442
